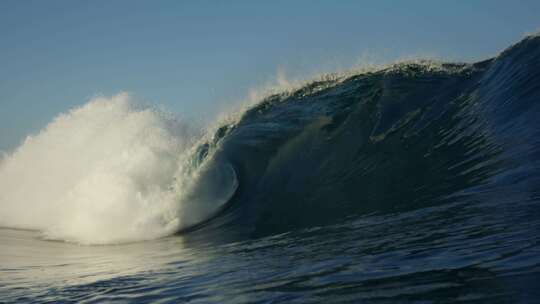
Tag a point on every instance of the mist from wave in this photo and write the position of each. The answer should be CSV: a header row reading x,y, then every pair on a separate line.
x,y
109,171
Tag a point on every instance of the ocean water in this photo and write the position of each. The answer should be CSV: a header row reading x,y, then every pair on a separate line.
x,y
415,182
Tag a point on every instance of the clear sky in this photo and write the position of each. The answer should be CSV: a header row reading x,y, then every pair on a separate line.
x,y
196,58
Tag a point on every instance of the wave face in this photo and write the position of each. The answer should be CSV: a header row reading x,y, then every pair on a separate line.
x,y
410,136
110,172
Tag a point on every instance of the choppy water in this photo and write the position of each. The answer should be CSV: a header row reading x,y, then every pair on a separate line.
x,y
419,182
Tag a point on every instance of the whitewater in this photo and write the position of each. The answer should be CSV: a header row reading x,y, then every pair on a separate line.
x,y
107,172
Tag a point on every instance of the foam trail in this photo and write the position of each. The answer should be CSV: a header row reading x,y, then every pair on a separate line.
x,y
103,173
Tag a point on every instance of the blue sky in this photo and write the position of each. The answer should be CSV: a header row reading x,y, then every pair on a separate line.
x,y
196,58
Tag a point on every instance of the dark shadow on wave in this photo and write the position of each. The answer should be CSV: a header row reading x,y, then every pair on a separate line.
x,y
410,136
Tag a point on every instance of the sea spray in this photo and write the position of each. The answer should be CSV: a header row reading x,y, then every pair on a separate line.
x,y
105,172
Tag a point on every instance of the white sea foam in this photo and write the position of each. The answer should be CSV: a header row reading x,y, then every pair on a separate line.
x,y
106,172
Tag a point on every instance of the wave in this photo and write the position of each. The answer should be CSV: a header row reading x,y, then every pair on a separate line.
x,y
411,135
407,136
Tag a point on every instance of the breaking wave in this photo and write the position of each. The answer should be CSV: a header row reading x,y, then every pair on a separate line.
x,y
404,137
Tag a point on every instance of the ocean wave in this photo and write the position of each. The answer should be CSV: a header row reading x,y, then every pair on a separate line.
x,y
403,137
